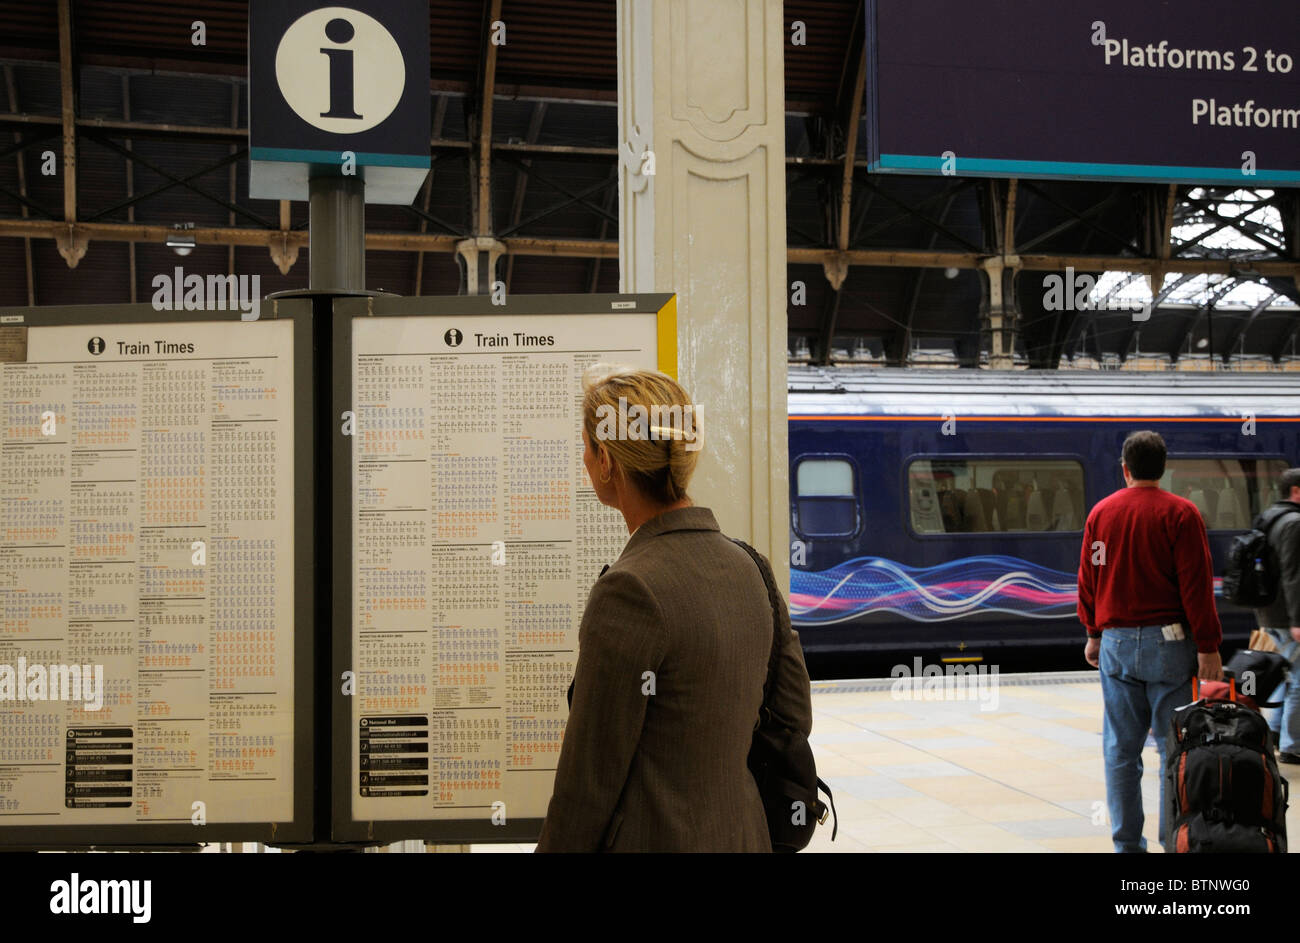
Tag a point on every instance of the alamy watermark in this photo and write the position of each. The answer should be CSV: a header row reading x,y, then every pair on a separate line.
x,y
653,423
181,292
128,897
24,682
1071,292
968,682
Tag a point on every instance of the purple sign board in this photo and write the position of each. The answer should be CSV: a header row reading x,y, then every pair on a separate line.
x,y
1180,91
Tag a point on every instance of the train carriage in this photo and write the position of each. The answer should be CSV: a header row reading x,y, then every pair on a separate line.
x,y
940,514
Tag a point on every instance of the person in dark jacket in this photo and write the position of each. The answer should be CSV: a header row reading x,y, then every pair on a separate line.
x,y
672,653
1281,619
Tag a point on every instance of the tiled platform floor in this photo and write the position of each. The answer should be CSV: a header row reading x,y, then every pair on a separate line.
x,y
945,776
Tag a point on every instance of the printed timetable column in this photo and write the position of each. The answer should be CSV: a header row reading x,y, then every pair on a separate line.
x,y
391,532
469,563
35,498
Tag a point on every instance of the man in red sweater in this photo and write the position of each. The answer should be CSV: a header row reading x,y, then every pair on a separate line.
x,y
1146,598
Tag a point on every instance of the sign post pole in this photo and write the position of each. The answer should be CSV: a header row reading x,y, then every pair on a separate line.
x,y
337,209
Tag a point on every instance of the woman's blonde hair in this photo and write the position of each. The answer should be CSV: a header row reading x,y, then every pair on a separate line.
x,y
649,425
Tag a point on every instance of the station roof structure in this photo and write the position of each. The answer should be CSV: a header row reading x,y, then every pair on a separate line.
x,y
892,267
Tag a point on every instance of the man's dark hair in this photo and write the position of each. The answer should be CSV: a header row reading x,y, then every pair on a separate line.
x,y
1144,454
1286,481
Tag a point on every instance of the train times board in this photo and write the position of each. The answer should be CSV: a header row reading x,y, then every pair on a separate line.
x,y
147,574
476,537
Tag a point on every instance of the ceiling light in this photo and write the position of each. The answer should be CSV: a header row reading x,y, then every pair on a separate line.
x,y
181,240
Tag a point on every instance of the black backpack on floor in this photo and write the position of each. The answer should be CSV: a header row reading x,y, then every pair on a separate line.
x,y
1251,574
1221,782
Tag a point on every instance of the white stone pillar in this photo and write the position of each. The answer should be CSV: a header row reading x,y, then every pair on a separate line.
x,y
701,103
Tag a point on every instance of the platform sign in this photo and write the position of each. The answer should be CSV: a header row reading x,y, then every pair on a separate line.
x,y
1151,90
338,89
469,539
155,538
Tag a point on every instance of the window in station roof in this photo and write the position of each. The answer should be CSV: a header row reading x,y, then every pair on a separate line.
x,y
1241,225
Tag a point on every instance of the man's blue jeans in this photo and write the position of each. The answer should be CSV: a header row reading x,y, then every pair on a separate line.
x,y
1143,678
1286,719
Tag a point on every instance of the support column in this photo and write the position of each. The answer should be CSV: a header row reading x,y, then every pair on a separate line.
x,y
701,123
478,258
1000,310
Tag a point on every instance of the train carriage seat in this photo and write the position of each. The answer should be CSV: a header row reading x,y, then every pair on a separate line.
x,y
1036,512
1232,512
950,506
973,508
990,502
1010,505
1063,509
1014,512
1201,498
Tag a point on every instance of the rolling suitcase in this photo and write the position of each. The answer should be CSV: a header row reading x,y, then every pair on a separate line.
x,y
1221,781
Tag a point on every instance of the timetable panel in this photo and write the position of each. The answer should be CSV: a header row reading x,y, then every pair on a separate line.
x,y
147,574
476,540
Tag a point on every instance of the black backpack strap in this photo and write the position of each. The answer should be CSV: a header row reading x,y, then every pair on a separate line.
x,y
770,583
835,816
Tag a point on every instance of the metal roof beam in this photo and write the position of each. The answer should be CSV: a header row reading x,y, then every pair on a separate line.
x,y
439,116
905,341
68,107
1083,217
1246,324
26,204
1195,319
11,93
610,196
481,122
910,258
1239,223
186,181
521,182
130,191
1289,336
572,197
599,248
850,108
912,211
1156,300
380,241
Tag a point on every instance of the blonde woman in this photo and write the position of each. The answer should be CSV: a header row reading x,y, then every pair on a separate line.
x,y
673,648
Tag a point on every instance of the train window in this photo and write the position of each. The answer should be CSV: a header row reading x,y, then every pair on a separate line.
x,y
1228,491
826,504
993,495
